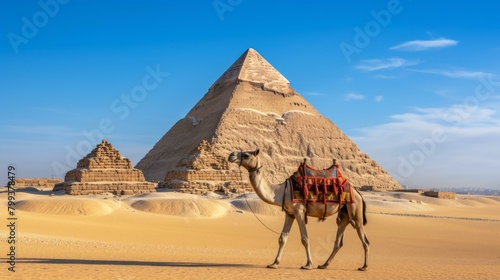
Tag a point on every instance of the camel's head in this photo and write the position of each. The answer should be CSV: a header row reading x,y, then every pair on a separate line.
x,y
248,160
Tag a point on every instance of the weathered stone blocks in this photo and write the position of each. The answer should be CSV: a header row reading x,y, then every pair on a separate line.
x,y
41,183
253,106
104,170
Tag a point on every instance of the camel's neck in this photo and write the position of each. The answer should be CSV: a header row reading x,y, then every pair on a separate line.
x,y
267,192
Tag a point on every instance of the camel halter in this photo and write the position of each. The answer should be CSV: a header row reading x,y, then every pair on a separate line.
x,y
245,194
254,169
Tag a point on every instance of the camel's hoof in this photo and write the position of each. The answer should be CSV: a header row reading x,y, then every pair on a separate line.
x,y
273,266
322,266
306,267
362,269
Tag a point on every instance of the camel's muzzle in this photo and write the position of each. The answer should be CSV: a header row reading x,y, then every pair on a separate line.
x,y
233,157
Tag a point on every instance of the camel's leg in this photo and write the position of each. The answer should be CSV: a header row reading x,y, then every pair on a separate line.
x,y
351,210
282,240
359,218
366,244
339,240
301,220
340,214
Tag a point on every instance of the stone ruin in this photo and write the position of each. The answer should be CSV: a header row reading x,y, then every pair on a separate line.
x,y
201,171
430,193
39,183
250,106
442,195
105,170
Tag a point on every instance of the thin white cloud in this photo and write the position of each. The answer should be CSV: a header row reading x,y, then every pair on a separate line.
x,y
431,147
422,45
381,64
383,76
455,73
314,93
353,96
443,93
379,98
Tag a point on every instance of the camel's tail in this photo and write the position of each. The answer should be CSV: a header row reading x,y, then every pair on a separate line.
x,y
364,213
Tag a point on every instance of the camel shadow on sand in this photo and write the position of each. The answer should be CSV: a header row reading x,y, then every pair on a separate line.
x,y
129,263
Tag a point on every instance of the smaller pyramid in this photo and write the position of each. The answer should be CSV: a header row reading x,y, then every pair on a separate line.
x,y
104,170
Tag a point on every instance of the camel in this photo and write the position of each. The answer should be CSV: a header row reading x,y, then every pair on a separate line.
x,y
277,194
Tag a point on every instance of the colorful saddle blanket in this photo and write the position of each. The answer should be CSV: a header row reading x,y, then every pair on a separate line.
x,y
327,185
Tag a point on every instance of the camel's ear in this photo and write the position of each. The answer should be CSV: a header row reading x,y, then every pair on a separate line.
x,y
256,152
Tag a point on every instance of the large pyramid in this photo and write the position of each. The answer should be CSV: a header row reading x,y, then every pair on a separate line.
x,y
253,106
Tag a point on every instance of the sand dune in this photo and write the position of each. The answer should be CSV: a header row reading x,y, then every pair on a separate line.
x,y
258,207
252,203
179,204
187,205
177,236
183,207
69,207
409,204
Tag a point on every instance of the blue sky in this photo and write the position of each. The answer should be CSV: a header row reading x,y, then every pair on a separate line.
x,y
416,84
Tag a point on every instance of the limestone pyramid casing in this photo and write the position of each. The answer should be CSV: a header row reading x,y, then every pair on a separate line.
x,y
104,170
253,106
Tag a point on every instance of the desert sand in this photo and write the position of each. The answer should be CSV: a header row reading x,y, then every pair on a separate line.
x,y
168,235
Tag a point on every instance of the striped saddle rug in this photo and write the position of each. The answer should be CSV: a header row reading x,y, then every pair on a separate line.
x,y
326,185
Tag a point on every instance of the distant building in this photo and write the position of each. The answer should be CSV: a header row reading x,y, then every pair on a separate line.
x,y
40,183
419,191
366,188
443,195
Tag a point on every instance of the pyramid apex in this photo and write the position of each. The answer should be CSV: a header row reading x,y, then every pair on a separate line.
x,y
252,67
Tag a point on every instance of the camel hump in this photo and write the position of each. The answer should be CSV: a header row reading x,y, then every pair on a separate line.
x,y
309,171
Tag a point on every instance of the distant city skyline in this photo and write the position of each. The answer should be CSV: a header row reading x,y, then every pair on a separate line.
x,y
415,84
